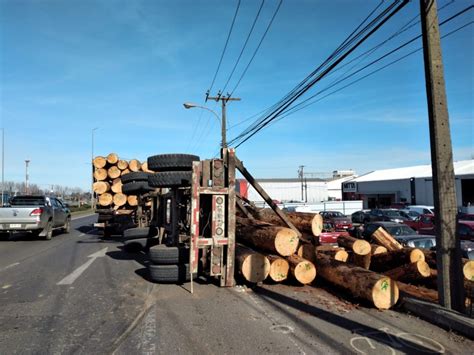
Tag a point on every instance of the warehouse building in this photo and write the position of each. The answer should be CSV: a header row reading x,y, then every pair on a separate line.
x,y
410,185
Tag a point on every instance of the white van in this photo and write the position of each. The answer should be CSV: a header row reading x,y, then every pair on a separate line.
x,y
421,209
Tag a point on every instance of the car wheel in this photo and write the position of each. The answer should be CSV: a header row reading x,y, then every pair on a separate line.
x,y
67,225
49,231
170,179
165,255
169,273
135,245
138,233
172,162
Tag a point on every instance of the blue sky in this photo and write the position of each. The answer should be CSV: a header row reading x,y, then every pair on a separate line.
x,y
127,66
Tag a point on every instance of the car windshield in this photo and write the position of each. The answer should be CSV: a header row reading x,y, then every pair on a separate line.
x,y
424,243
391,213
400,230
335,214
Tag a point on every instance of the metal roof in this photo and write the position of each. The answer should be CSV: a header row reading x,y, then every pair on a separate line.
x,y
462,167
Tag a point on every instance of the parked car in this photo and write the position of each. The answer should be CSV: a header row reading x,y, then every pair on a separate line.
x,y
421,209
329,235
387,215
465,230
423,221
395,229
339,220
411,215
360,216
39,215
465,216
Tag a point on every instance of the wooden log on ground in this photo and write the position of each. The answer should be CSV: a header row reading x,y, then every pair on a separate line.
x,y
432,282
105,199
377,249
113,172
410,272
302,270
361,283
117,185
132,200
306,251
362,261
112,158
120,199
124,171
468,269
100,187
382,237
419,292
393,259
273,239
279,268
134,165
99,162
358,246
100,174
305,222
122,164
336,253
253,266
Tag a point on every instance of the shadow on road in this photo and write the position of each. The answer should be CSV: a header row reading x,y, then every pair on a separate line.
x,y
279,301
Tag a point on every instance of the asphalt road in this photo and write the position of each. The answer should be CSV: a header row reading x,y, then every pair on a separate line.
x,y
80,294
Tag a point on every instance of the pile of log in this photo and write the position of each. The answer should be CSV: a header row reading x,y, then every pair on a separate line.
x,y
107,185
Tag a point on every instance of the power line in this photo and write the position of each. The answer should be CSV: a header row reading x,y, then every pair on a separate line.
x,y
225,46
258,47
245,45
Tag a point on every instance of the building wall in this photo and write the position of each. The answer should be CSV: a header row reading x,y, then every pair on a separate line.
x,y
290,191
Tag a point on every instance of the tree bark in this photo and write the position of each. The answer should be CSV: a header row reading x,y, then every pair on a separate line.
x,y
302,270
362,261
279,268
99,162
305,222
270,238
307,251
253,266
382,237
419,292
112,158
336,253
393,259
361,283
358,246
410,272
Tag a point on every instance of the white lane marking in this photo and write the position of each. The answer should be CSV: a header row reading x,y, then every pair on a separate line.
x,y
9,266
79,217
147,343
68,280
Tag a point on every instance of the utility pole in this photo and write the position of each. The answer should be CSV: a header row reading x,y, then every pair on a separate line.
x,y
448,255
92,161
3,166
224,100
26,177
301,175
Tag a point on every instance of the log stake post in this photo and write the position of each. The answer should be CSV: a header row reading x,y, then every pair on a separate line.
x,y
447,246
265,196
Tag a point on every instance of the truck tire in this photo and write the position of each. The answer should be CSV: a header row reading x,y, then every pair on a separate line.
x,y
170,179
169,273
138,233
135,245
172,162
67,225
134,176
165,255
136,188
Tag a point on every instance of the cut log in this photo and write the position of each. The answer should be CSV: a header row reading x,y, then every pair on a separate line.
x,y
305,222
336,253
134,165
120,199
132,200
105,199
306,251
279,268
302,270
145,168
253,266
122,164
382,237
358,246
113,172
377,249
362,261
99,162
410,272
100,187
361,283
274,239
432,282
112,158
468,269
125,171
419,292
100,174
117,185
393,259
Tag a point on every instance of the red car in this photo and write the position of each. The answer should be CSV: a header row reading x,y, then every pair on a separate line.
x,y
465,230
337,219
329,234
423,221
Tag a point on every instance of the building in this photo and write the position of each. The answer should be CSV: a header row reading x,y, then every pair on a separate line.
x,y
410,185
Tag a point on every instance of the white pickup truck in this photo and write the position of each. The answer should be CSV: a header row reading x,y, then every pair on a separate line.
x,y
39,215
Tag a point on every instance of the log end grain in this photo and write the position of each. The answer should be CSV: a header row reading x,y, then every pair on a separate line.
x,y
255,268
361,247
286,241
317,225
120,199
416,255
307,251
100,174
341,255
99,162
385,293
105,199
279,269
112,158
423,268
468,270
132,200
378,249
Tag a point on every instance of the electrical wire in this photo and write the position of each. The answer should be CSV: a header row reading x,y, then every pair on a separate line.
x,y
245,45
225,46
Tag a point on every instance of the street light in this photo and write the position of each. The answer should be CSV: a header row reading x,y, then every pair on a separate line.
x,y
92,161
188,105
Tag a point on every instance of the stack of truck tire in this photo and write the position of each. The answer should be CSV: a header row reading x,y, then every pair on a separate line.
x,y
380,271
168,263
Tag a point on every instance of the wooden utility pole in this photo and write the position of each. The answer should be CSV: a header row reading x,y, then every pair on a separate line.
x,y
448,253
224,100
